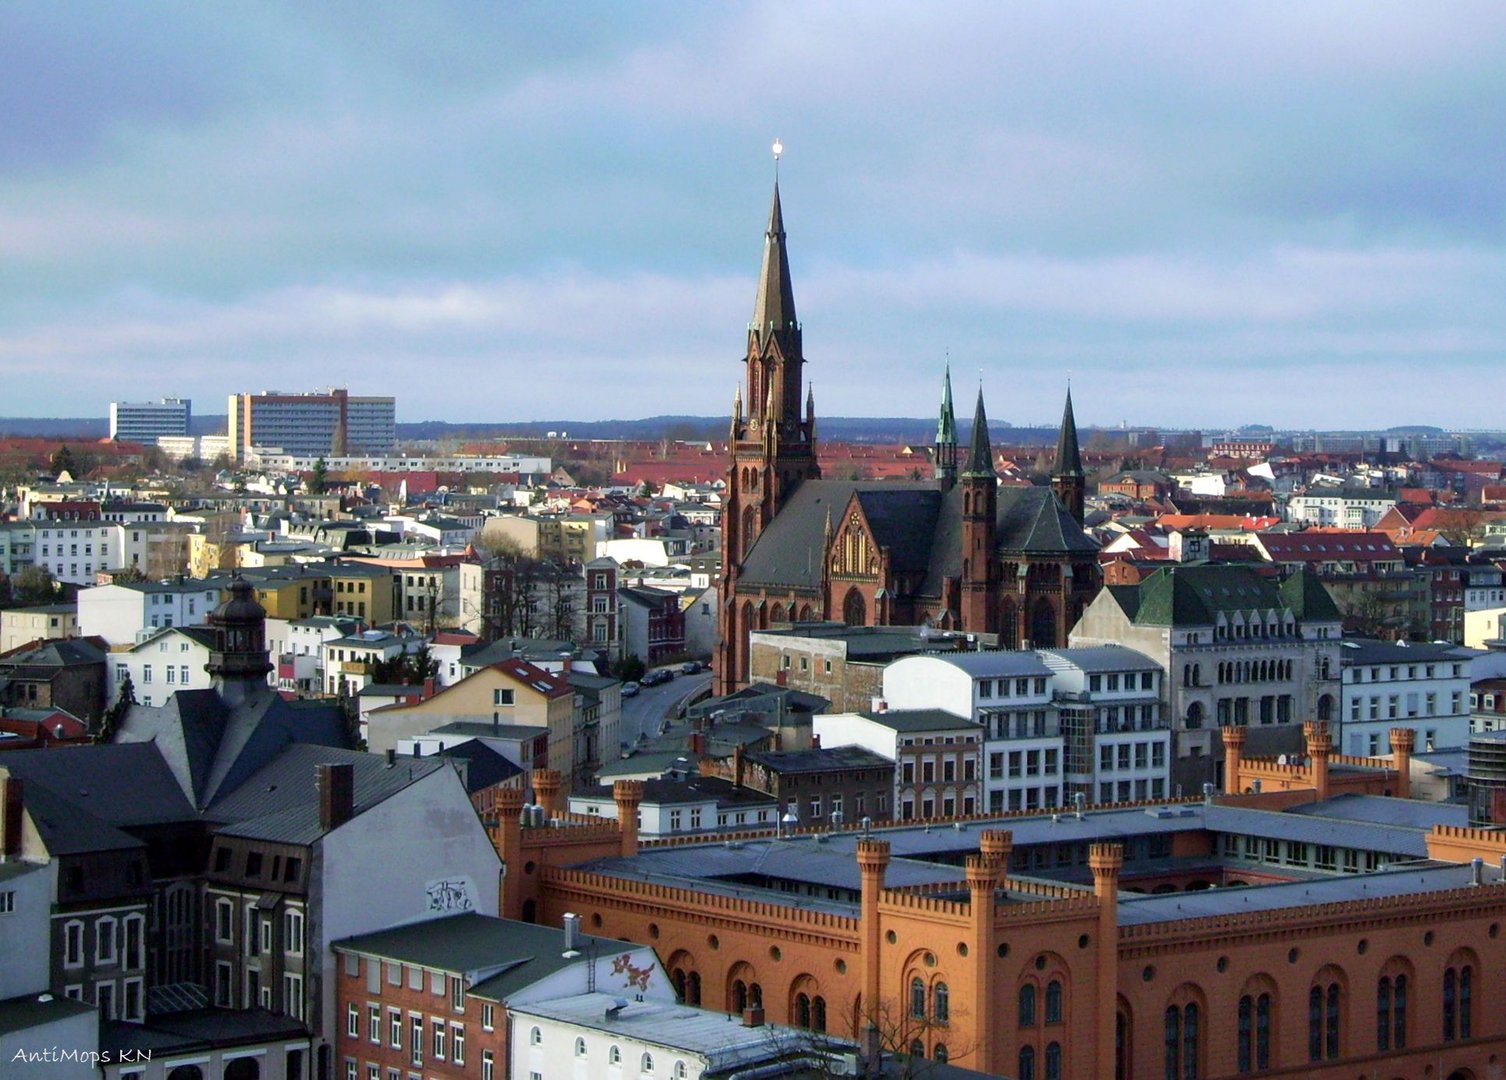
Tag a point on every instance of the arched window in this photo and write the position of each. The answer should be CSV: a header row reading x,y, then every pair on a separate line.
x,y
941,1010
739,995
647,1064
614,1056
1043,625
1027,1006
755,995
1323,1022
818,1013
1053,1061
1391,1012
1254,1049
693,988
802,1010
918,998
1194,716
535,1037
681,1072
777,614
1181,1042
580,1048
917,1049
1123,1041
940,1053
1026,1070
1458,995
1054,1002
1008,625
854,610
1197,674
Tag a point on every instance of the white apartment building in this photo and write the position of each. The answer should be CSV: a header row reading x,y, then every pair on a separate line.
x,y
1419,685
1116,734
1348,507
1009,695
123,614
147,421
937,756
74,551
162,664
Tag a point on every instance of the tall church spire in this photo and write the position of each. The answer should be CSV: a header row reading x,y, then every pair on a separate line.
x,y
774,307
946,432
980,454
1067,478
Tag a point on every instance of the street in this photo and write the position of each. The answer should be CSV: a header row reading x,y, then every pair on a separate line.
x,y
644,713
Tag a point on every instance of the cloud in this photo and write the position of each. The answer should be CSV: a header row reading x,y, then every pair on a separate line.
x,y
1200,210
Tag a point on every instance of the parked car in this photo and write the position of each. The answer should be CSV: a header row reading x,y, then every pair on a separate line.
x,y
692,667
657,676
629,689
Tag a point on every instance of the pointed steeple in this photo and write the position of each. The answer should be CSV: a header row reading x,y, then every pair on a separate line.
x,y
774,308
1068,458
946,433
1067,478
980,454
946,426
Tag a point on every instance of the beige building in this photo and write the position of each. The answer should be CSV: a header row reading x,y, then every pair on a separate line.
x,y
570,538
512,693
20,626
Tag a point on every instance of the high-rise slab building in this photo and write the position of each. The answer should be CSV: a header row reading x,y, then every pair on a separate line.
x,y
147,421
332,422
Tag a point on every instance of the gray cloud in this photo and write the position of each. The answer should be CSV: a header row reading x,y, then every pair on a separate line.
x,y
1211,214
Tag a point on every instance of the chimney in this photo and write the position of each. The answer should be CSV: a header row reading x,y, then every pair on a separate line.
x,y
10,815
391,756
698,743
815,742
1477,871
572,933
753,1016
337,799
428,688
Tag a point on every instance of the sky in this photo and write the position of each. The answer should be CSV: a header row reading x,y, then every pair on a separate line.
x,y
1202,214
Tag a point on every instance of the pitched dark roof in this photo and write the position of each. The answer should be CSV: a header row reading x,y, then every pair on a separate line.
x,y
1309,598
980,454
121,784
484,766
1033,520
826,759
774,307
1068,458
1195,595
211,748
916,520
280,801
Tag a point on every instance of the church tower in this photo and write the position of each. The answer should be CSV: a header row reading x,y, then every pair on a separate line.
x,y
946,435
238,663
1068,480
980,504
773,447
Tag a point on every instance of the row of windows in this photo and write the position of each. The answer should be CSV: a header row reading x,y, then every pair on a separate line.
x,y
116,941
1393,671
1428,702
646,1062
1143,754
1182,1024
447,1039
1035,687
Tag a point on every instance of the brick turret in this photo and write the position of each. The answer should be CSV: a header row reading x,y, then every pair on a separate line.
x,y
628,795
1403,742
509,843
873,863
1106,861
1234,756
1319,746
546,788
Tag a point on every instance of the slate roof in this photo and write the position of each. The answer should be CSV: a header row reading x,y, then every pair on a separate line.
x,y
692,789
1105,658
828,759
280,801
124,784
484,766
912,720
1195,595
30,1010
918,522
1356,651
212,748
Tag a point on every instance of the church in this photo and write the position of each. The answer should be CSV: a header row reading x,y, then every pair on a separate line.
x,y
957,552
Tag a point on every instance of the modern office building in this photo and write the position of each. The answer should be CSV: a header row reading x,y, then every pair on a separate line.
x,y
148,421
330,422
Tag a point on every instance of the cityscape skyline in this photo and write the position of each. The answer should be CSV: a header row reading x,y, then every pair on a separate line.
x,y
1210,218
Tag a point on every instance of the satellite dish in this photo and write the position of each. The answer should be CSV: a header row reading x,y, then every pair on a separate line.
x,y
1281,760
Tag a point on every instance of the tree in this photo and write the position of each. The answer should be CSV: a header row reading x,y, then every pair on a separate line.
x,y
64,461
34,585
127,576
319,478
629,668
125,697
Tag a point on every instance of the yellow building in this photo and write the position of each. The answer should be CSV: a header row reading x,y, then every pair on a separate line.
x,y
511,693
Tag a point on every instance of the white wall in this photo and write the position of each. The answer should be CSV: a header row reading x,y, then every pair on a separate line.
x,y
373,872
